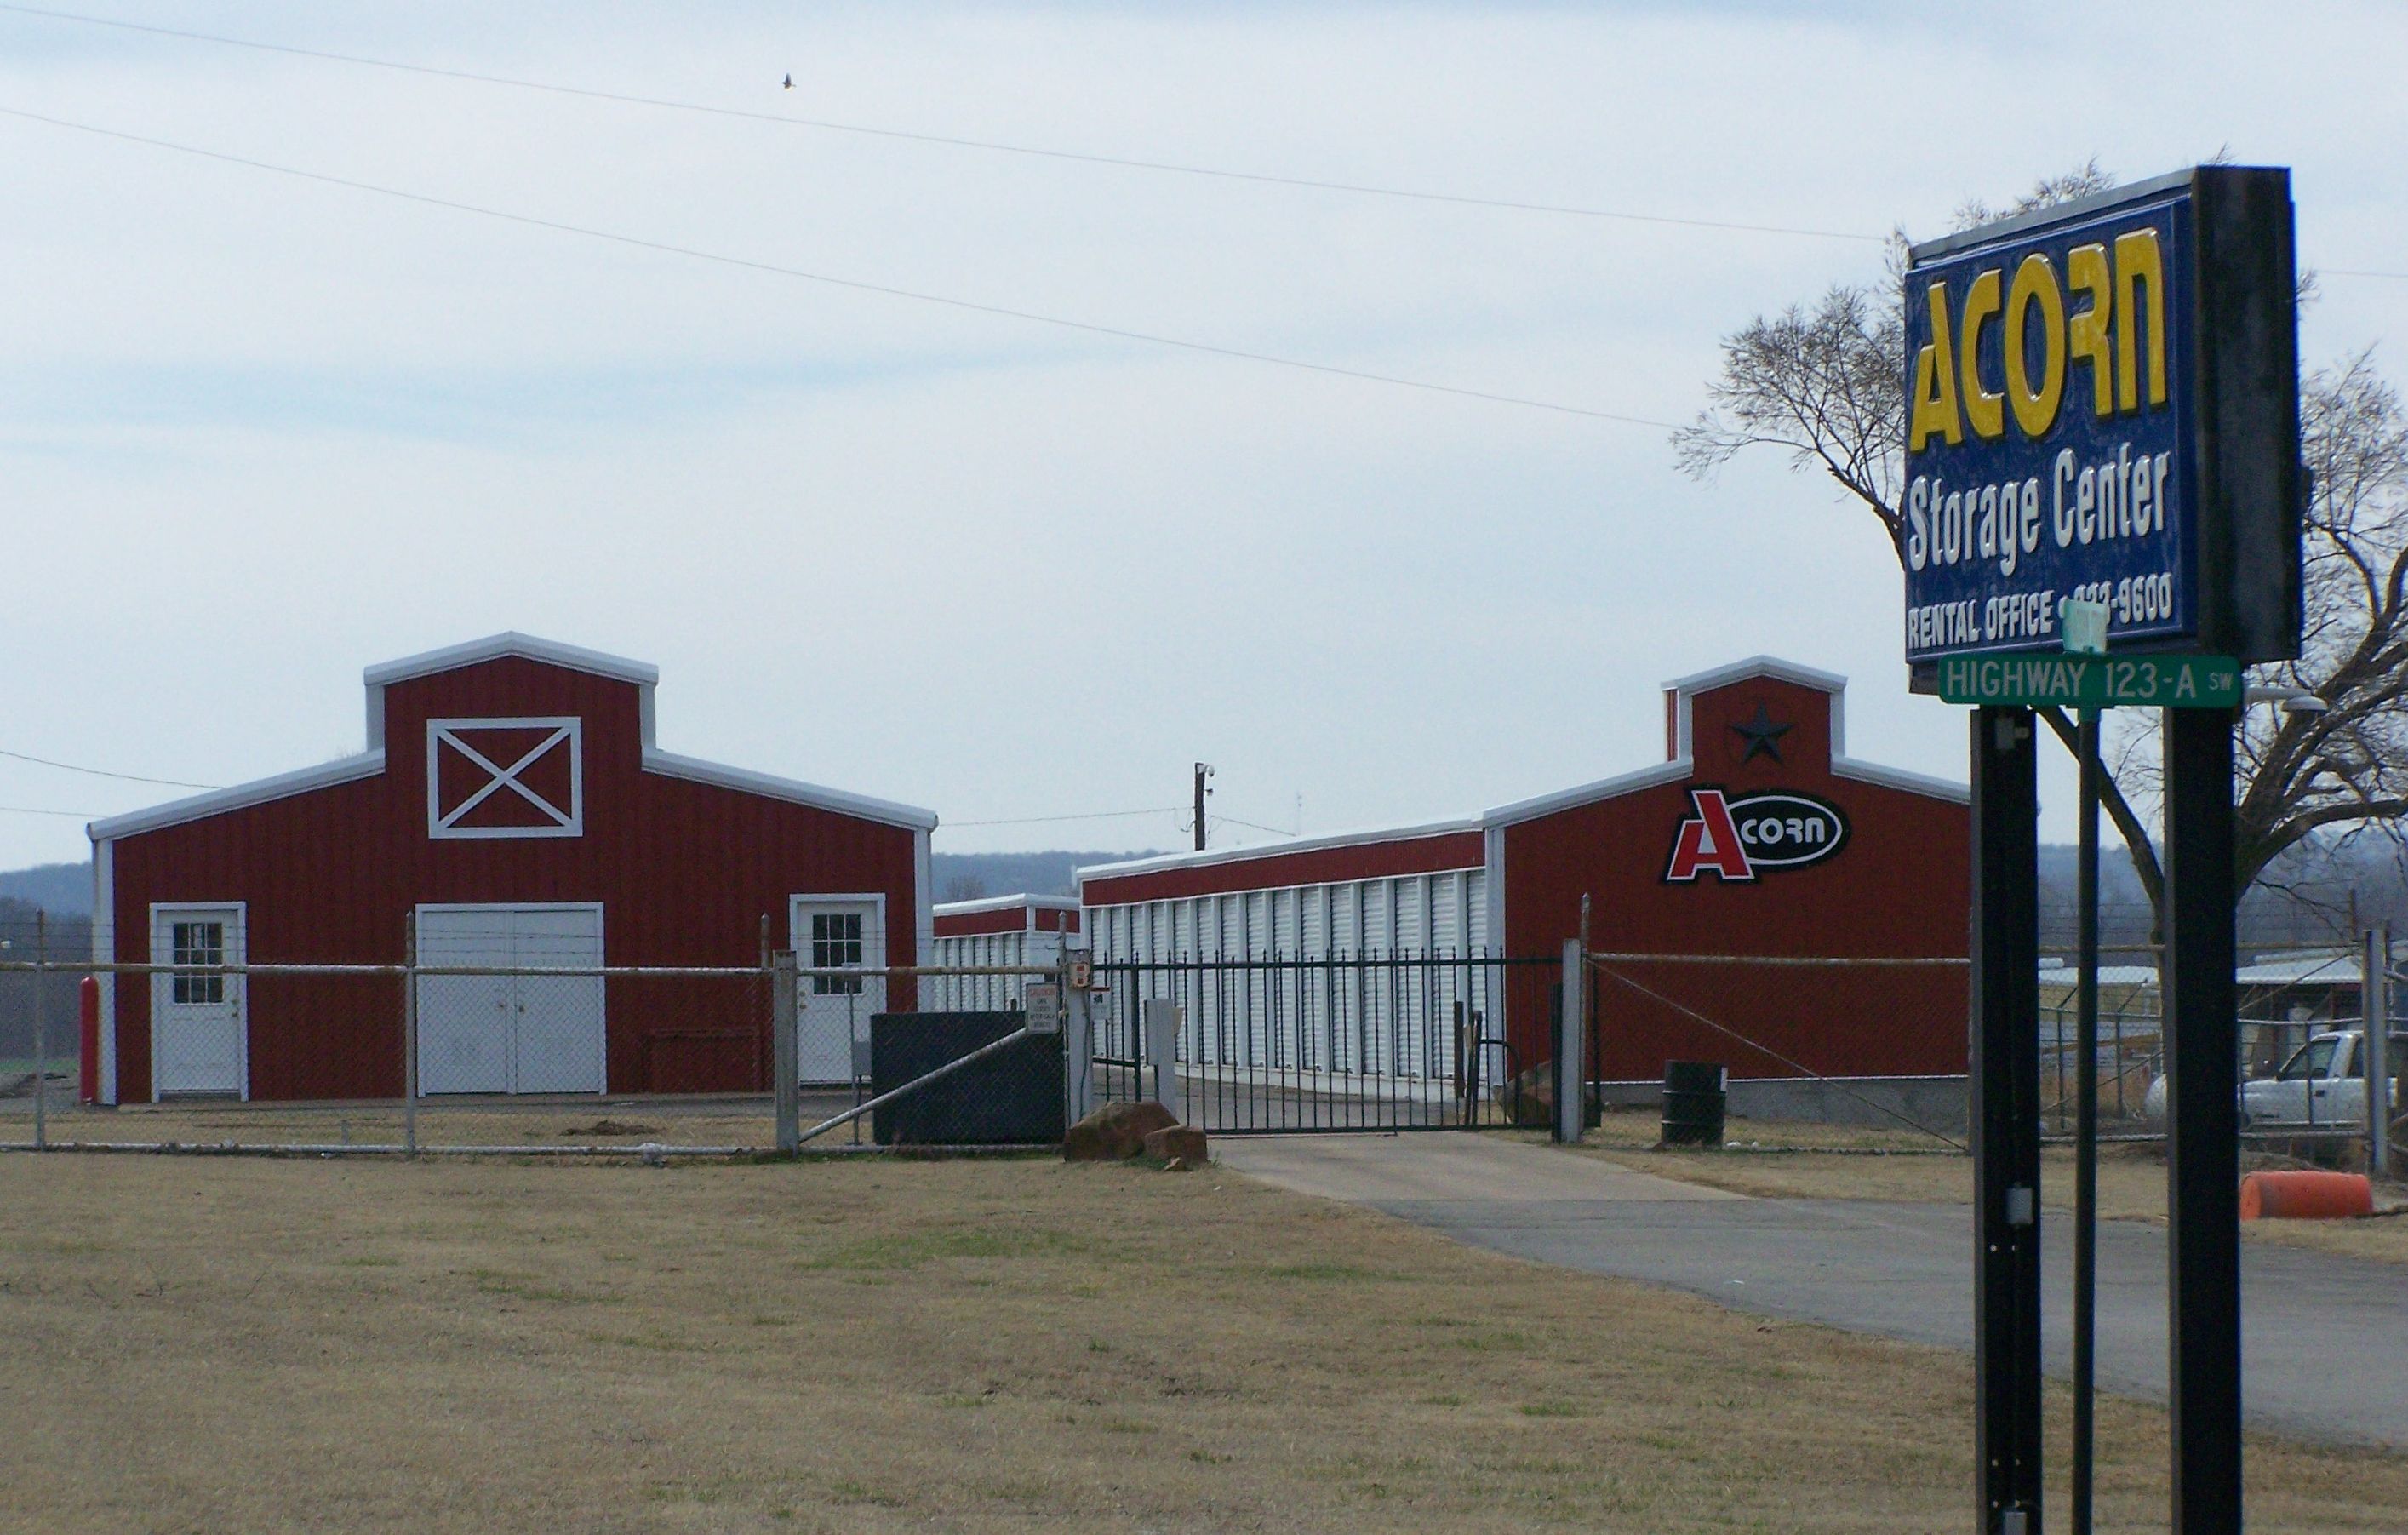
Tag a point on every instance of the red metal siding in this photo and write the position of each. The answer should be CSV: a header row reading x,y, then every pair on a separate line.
x,y
1049,919
1318,866
1900,887
1010,919
686,872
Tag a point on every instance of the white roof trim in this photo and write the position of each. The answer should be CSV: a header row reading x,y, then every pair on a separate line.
x,y
696,770
241,796
1899,777
1757,666
1007,903
511,642
1280,850
1610,788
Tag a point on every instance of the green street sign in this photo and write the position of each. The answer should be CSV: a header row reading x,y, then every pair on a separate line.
x,y
2092,681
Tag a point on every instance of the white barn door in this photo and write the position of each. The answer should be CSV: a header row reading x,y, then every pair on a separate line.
x,y
199,1033
511,1033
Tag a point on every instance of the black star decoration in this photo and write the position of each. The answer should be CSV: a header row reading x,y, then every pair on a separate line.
x,y
1762,736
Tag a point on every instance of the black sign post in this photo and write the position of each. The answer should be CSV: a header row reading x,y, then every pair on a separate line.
x,y
2203,1140
2006,1120
2102,409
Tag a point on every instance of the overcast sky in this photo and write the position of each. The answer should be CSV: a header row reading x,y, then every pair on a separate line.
x,y
257,433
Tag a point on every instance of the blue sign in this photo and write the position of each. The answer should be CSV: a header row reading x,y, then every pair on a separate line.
x,y
2049,406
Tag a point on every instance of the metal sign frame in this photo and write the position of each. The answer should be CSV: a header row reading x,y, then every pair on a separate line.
x,y
2135,439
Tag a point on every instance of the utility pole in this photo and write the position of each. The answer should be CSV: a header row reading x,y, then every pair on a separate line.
x,y
1203,771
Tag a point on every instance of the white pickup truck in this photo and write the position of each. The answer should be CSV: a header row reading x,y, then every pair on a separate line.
x,y
2324,1083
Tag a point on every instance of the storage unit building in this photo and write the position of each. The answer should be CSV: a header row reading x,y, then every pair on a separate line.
x,y
513,807
1758,835
997,931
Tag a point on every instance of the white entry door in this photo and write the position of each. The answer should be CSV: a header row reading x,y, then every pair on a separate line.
x,y
511,1033
839,933
198,1026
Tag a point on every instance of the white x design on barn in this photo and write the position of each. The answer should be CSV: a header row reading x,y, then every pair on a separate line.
x,y
483,746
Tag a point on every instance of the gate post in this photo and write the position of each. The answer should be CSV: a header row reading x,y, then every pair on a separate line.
x,y
1572,1078
1078,1034
1162,1021
785,1068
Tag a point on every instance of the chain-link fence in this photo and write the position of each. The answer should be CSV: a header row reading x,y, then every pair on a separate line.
x,y
501,1041
1874,1040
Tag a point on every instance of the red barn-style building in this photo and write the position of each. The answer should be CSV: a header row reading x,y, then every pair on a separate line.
x,y
1756,836
512,806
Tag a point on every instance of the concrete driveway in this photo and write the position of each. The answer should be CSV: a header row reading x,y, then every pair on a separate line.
x,y
2323,1339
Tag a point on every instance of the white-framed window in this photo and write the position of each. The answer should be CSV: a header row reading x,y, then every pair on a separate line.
x,y
836,944
505,777
198,943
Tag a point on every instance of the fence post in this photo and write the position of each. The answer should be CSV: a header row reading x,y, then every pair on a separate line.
x,y
1571,1079
2374,1003
409,1034
41,1035
785,1070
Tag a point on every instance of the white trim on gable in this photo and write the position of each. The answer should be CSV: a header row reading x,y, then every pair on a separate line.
x,y
241,796
1610,788
511,642
696,770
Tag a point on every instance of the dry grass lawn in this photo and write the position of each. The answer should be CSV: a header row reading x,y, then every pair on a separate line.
x,y
2131,1178
222,1345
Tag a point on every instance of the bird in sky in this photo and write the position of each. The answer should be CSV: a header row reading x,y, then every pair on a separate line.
x,y
790,82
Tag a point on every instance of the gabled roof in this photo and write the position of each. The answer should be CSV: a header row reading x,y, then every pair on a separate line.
x,y
1682,689
643,674
511,642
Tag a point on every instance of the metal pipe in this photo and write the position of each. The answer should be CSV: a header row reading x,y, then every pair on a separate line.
x,y
915,1084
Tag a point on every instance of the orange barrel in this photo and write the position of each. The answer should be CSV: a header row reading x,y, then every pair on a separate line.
x,y
2305,1195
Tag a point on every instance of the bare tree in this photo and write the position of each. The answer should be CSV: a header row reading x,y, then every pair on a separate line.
x,y
1826,383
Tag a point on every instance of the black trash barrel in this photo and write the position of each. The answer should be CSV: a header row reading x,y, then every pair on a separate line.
x,y
1695,1098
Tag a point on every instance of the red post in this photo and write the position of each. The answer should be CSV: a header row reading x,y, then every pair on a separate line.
x,y
89,993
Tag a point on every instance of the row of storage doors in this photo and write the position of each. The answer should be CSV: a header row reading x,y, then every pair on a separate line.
x,y
498,1033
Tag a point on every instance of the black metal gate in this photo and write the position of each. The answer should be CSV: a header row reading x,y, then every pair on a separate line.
x,y
1283,1045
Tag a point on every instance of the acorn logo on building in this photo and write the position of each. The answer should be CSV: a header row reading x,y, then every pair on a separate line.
x,y
1735,840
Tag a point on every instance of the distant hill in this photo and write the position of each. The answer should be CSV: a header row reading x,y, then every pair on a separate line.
x,y
63,888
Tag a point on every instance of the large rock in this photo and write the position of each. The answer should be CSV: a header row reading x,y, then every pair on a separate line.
x,y
1529,1100
1182,1143
1114,1132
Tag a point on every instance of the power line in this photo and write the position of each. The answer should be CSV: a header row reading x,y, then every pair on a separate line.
x,y
1364,189
952,142
1255,825
103,772
855,284
71,815
1093,815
